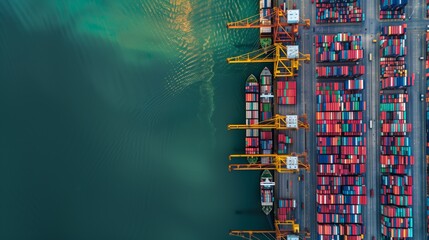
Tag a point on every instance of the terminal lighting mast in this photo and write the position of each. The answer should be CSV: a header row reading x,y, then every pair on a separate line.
x,y
278,122
286,59
282,163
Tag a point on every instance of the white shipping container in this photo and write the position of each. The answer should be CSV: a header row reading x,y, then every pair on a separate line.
x,y
265,30
293,16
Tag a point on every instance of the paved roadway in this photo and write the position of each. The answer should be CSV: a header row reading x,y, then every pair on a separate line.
x,y
305,191
301,191
416,48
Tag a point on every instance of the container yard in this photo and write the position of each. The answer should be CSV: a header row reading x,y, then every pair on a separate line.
x,y
396,173
341,144
329,11
392,9
361,88
341,47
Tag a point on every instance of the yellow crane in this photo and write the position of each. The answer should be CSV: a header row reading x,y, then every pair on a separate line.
x,y
279,23
286,59
282,163
282,229
278,122
282,33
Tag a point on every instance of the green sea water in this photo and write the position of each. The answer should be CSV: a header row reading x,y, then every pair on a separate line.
x,y
113,120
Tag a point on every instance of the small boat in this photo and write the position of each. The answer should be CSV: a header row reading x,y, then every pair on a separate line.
x,y
267,191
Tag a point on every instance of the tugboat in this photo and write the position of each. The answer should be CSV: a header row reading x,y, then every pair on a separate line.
x,y
267,191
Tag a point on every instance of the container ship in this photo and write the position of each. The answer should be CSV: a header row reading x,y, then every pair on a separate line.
x,y
252,111
267,191
265,33
266,112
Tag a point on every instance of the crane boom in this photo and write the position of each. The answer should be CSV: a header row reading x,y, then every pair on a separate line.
x,y
282,229
278,122
278,15
284,64
282,163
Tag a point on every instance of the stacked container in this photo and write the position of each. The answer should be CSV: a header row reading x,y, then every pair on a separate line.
x,y
393,70
340,71
342,47
266,112
341,190
283,140
392,9
286,92
341,147
251,93
395,149
334,11
285,208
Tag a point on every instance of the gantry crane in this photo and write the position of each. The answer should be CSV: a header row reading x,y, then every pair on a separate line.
x,y
286,59
282,230
282,163
278,122
279,23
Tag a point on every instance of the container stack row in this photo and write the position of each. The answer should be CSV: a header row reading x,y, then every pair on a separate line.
x,y
392,9
334,11
286,92
285,208
251,93
427,126
392,50
266,112
340,71
341,47
341,148
396,157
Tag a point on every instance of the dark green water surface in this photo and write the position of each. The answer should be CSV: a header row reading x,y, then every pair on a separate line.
x,y
113,120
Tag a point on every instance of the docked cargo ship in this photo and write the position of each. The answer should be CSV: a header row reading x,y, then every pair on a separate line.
x,y
265,33
252,112
266,112
267,191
